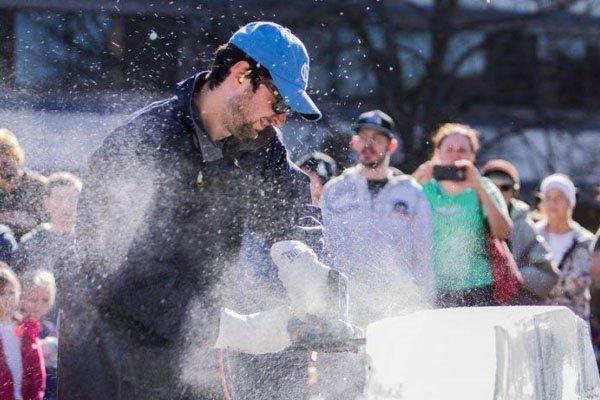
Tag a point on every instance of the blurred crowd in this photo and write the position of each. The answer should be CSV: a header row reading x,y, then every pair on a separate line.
x,y
458,233
37,244
448,235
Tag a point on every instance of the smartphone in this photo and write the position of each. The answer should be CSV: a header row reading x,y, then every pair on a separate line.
x,y
448,173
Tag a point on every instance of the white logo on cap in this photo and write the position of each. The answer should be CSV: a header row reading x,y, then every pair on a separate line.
x,y
322,169
304,72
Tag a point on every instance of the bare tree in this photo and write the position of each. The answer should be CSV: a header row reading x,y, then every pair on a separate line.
x,y
78,44
452,36
423,62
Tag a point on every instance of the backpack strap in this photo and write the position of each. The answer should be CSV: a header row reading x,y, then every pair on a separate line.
x,y
567,254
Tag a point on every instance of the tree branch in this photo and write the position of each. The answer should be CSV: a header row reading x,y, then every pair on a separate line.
x,y
514,19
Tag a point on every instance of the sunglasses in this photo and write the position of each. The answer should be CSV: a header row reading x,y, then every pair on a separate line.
x,y
506,187
279,106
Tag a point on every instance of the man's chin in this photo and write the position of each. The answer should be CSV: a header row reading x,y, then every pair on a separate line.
x,y
7,186
371,165
246,135
244,132
261,137
236,145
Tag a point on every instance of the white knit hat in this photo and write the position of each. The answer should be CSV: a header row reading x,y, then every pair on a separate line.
x,y
560,182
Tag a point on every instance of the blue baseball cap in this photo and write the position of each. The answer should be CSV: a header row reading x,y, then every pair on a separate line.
x,y
285,57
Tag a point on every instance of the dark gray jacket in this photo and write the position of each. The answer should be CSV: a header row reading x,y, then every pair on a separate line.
x,y
160,230
531,253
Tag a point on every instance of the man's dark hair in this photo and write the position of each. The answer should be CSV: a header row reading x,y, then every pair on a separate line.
x,y
228,55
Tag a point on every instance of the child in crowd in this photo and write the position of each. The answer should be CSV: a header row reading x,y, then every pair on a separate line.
x,y
51,244
39,294
22,375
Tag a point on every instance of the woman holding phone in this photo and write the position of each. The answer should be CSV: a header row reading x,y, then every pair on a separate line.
x,y
464,206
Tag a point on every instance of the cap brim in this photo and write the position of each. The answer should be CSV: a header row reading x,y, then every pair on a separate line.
x,y
358,127
499,181
298,100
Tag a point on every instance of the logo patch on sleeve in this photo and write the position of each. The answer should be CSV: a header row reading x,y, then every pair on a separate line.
x,y
400,208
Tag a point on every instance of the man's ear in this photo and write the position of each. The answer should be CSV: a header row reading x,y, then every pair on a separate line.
x,y
393,146
239,72
354,142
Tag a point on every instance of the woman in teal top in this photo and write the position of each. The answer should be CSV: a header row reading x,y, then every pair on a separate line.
x,y
461,210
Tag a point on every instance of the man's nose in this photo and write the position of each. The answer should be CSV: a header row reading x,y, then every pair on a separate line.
x,y
278,120
367,141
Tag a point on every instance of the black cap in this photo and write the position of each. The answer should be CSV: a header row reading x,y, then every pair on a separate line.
x,y
323,165
375,119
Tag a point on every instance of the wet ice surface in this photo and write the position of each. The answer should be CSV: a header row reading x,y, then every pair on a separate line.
x,y
500,353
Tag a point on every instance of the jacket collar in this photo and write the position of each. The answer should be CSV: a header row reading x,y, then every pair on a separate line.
x,y
356,172
518,209
185,90
581,234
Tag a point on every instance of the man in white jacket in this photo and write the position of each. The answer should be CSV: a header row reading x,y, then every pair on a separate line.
x,y
378,228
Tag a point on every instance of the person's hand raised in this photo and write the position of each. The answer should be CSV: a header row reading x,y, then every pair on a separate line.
x,y
425,172
472,175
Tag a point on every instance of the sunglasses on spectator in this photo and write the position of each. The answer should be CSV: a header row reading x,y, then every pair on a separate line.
x,y
506,187
279,106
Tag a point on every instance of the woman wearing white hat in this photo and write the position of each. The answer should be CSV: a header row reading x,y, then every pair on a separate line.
x,y
570,244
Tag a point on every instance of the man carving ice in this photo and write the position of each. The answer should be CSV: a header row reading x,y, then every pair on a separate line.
x,y
163,212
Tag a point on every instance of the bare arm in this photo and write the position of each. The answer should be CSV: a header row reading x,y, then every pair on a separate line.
x,y
500,223
424,173
498,219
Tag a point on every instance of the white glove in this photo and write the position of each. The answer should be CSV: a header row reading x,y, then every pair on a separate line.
x,y
259,333
303,276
